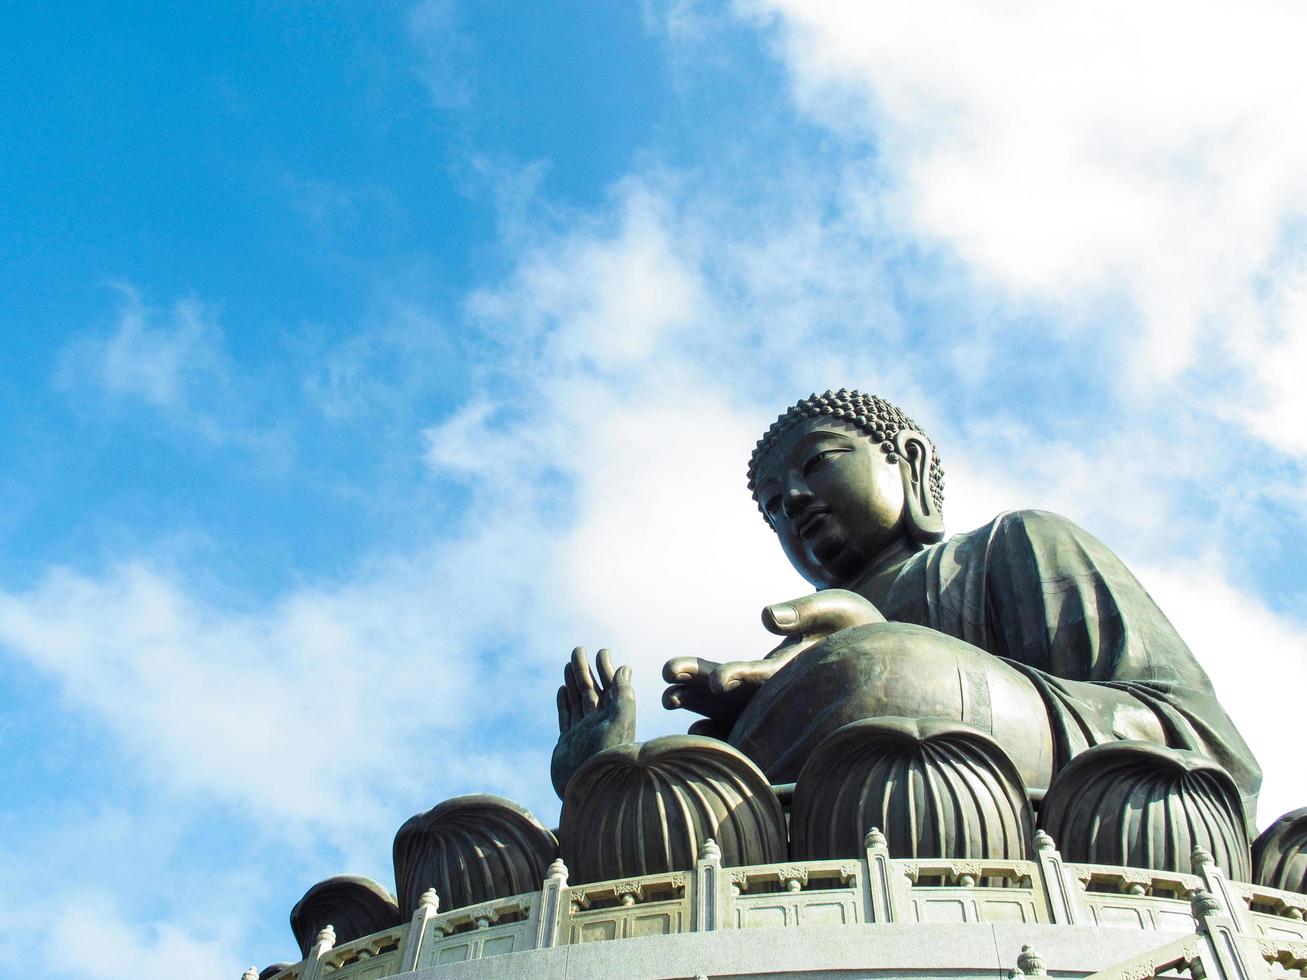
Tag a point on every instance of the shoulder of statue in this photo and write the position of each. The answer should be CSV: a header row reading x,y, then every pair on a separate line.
x,y
1041,523
1022,532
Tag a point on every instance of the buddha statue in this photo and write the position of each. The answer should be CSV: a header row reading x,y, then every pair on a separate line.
x,y
1027,628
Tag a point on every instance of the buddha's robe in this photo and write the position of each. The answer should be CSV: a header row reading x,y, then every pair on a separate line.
x,y
1047,597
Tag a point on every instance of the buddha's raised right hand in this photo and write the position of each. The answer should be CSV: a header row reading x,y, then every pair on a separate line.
x,y
720,691
593,713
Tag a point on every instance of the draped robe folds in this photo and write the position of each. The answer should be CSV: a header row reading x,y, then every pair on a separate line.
x,y
1047,597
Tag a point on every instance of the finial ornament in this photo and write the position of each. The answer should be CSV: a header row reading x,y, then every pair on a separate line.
x,y
1203,903
251,974
1030,963
1044,841
328,936
557,870
709,851
1201,857
874,839
430,900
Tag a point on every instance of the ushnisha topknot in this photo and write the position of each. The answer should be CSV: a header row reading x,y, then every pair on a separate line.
x,y
876,418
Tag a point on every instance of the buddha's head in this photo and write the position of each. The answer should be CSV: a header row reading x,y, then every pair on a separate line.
x,y
843,477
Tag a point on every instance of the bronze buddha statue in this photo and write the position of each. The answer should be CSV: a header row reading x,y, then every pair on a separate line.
x,y
1027,628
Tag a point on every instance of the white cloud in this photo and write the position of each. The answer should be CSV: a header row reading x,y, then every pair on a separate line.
x,y
618,298
382,369
172,362
1275,346
89,937
157,357
111,892
435,28
630,363
612,394
284,711
1079,156
1230,629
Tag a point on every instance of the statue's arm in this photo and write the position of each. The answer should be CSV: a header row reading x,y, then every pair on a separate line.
x,y
721,691
1061,601
1114,665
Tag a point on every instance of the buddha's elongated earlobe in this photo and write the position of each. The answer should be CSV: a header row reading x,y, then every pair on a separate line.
x,y
925,522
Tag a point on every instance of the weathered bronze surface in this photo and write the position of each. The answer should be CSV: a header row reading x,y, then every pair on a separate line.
x,y
639,809
471,849
352,905
1145,806
1280,853
934,788
594,713
1028,628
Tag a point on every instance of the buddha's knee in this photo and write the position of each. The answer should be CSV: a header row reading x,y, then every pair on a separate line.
x,y
898,670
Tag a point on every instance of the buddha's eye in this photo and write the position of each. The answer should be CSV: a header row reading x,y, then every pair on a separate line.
x,y
772,503
820,457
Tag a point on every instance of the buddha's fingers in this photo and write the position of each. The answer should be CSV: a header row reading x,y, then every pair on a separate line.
x,y
688,670
622,683
744,674
564,713
696,699
711,728
604,662
825,612
573,695
585,682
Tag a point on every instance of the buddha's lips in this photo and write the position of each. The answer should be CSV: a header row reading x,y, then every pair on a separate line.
x,y
810,520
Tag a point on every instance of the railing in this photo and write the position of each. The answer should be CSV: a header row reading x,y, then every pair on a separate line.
x,y
365,959
1238,923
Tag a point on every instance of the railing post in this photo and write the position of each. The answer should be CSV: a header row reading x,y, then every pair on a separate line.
x,y
706,899
1214,880
553,895
885,899
313,962
1066,906
411,946
1226,957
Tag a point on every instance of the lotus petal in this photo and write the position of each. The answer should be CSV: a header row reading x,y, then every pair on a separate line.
x,y
934,787
644,808
1146,806
471,849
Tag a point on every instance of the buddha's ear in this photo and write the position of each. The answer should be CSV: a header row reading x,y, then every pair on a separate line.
x,y
925,522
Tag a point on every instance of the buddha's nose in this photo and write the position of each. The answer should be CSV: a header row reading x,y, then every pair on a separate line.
x,y
795,500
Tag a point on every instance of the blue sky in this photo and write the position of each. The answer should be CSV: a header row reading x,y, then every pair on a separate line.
x,y
360,359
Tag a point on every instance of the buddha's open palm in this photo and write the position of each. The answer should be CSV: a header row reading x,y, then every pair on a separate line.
x,y
594,713
720,691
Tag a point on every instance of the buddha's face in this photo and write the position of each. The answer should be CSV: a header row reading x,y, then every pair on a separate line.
x,y
834,498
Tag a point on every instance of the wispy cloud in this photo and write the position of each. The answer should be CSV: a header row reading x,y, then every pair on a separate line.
x,y
171,362
157,357
447,70
1138,173
1064,188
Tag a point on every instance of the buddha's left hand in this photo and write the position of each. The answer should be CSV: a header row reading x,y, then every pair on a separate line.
x,y
720,691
